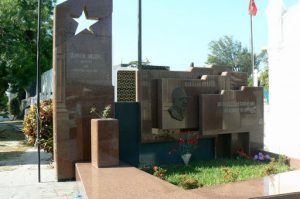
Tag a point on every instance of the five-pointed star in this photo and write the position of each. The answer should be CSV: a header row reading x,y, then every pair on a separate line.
x,y
60,1
84,23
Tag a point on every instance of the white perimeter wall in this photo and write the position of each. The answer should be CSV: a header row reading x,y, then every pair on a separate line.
x,y
283,119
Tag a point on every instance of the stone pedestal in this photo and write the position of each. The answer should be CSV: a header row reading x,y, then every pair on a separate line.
x,y
105,142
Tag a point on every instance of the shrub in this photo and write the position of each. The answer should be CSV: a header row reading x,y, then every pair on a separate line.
x,y
14,107
270,168
159,172
283,160
29,125
188,182
230,175
46,133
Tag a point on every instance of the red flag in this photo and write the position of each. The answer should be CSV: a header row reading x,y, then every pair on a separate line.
x,y
252,8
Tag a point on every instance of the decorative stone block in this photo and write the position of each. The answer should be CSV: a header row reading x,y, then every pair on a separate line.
x,y
105,142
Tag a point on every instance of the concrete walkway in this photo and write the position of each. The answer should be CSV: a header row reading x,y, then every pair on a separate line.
x,y
21,179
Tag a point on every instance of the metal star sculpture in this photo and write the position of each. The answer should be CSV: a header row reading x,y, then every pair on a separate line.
x,y
84,23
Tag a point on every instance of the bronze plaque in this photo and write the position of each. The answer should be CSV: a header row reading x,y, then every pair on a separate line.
x,y
178,98
232,111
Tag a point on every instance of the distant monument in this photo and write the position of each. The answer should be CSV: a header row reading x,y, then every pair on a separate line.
x,y
82,60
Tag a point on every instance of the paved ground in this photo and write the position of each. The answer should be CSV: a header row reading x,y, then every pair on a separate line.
x,y
19,174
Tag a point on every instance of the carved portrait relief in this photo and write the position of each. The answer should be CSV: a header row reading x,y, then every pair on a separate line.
x,y
180,101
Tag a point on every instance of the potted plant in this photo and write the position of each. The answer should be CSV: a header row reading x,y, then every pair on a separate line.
x,y
186,147
104,114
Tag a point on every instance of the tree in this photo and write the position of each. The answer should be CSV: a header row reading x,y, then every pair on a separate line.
x,y
18,19
3,103
229,52
264,79
3,79
264,74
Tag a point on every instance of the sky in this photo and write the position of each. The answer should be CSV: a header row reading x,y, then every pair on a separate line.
x,y
177,32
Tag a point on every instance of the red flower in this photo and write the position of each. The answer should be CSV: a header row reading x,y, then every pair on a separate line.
x,y
181,141
192,141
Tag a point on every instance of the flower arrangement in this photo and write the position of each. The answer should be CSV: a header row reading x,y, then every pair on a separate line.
x,y
187,146
262,157
241,154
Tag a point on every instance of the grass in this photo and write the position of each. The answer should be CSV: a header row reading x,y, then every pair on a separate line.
x,y
216,172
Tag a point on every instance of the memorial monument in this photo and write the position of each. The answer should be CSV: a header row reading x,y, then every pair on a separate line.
x,y
82,60
212,102
155,107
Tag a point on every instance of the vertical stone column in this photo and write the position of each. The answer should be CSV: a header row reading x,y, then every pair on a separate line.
x,y
105,142
82,61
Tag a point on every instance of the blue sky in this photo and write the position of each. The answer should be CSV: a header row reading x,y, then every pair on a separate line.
x,y
177,32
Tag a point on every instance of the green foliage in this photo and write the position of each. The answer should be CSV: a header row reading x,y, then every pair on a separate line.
x,y
3,78
3,103
18,19
29,125
230,175
188,182
226,51
159,172
264,79
264,58
283,160
270,168
14,107
46,133
104,114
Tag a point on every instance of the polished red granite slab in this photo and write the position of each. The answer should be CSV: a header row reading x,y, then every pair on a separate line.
x,y
129,182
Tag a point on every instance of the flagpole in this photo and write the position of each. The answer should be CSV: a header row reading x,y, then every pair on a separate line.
x,y
252,52
140,35
38,88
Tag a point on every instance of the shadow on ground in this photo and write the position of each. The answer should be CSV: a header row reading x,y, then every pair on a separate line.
x,y
10,132
15,158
